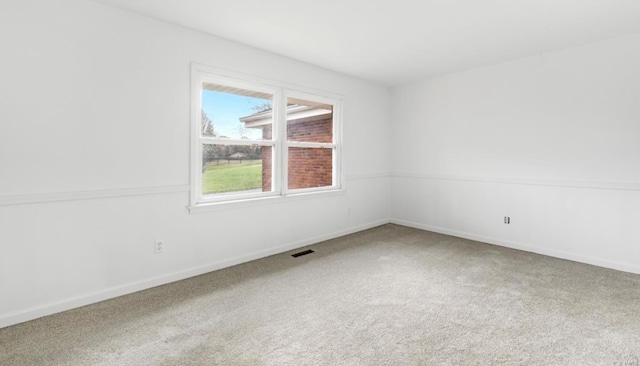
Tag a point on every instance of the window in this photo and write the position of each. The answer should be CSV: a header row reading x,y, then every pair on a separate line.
x,y
255,140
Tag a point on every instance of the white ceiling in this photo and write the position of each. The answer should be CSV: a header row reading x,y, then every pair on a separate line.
x,y
395,42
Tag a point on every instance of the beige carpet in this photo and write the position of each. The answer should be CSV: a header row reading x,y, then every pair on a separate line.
x,y
386,296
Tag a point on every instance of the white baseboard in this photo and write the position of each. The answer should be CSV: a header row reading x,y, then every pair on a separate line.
x,y
97,296
101,295
524,247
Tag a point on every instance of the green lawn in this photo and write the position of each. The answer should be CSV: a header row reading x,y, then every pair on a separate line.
x,y
232,177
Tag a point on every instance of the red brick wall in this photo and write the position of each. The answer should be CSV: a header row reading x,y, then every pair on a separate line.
x,y
310,167
267,158
311,131
307,167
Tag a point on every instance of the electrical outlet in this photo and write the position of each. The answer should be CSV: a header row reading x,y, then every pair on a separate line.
x,y
507,220
158,247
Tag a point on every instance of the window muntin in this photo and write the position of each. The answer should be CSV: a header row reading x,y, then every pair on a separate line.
x,y
256,140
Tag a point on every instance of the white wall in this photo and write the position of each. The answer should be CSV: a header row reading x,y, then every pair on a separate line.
x,y
94,157
553,141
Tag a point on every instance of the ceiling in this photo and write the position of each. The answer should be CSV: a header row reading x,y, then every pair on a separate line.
x,y
399,41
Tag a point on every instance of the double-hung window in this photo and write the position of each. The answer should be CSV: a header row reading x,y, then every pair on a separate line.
x,y
253,139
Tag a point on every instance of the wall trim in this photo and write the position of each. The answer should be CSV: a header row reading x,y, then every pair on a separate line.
x,y
112,292
521,246
617,186
35,198
373,175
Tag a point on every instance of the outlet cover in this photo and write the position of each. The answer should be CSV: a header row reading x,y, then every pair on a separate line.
x,y
158,247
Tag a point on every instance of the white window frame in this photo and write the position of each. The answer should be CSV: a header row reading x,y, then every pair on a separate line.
x,y
335,146
280,146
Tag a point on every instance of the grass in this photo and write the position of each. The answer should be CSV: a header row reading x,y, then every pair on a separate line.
x,y
231,177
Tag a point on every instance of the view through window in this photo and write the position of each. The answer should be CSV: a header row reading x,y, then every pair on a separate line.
x,y
232,154
258,140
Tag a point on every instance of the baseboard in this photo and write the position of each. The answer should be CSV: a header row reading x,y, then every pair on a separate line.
x,y
524,247
97,296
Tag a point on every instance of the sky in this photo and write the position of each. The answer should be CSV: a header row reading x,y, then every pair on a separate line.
x,y
225,110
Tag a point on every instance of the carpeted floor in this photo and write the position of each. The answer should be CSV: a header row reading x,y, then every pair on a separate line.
x,y
386,296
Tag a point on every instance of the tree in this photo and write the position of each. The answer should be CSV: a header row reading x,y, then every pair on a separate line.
x,y
243,132
209,152
207,125
262,107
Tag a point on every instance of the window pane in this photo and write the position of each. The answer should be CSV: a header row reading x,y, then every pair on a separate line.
x,y
309,121
310,167
236,113
235,169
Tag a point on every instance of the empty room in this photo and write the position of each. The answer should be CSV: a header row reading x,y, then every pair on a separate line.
x,y
320,182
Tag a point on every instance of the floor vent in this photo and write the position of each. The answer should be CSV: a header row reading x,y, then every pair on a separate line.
x,y
305,252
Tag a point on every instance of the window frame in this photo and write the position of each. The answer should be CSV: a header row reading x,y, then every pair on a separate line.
x,y
280,146
322,145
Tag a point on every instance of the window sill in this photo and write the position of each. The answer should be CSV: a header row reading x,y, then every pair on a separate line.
x,y
270,200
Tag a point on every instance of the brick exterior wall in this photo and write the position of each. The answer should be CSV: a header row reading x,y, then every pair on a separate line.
x,y
310,168
267,166
307,167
